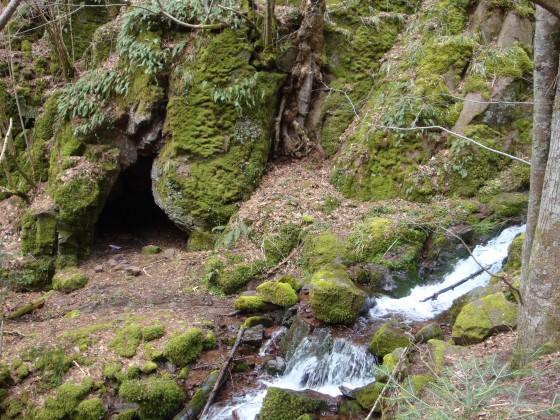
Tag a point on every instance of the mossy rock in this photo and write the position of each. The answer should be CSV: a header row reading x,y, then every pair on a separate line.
x,y
149,368
111,370
65,403
91,409
333,297
126,415
209,341
319,250
277,247
280,294
390,362
38,233
198,401
11,409
230,278
515,254
127,341
158,398
508,205
249,303
368,395
395,245
484,317
387,338
428,332
294,284
286,405
438,351
69,279
151,249
253,321
416,383
153,332
184,348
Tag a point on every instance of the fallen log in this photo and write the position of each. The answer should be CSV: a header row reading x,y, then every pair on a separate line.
x,y
223,371
27,309
454,285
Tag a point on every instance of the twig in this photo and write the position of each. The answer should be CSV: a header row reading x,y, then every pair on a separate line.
x,y
453,286
79,367
281,263
241,15
5,145
149,265
13,332
222,372
210,26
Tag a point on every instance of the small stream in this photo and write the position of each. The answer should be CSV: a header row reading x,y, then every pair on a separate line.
x,y
323,363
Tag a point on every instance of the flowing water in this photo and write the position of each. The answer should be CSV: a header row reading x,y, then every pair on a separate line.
x,y
410,308
323,363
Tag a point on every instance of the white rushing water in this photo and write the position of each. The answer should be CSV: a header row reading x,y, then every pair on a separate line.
x,y
411,309
319,363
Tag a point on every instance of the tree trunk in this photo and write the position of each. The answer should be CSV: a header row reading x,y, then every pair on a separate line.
x,y
8,12
539,316
293,127
269,22
547,52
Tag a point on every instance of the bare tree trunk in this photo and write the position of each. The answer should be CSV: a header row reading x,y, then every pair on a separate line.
x,y
292,129
547,53
269,23
553,6
8,12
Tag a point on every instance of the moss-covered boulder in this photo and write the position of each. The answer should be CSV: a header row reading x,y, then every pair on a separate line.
x,y
184,348
249,303
428,332
294,284
508,204
416,383
484,317
333,297
230,276
151,249
277,293
439,351
387,338
393,244
286,404
91,409
69,279
515,252
158,398
217,137
253,321
319,250
153,332
368,395
65,403
38,233
201,240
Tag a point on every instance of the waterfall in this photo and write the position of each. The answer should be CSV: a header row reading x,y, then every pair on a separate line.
x,y
410,308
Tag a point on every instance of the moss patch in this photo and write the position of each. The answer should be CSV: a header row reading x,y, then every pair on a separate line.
x,y
127,341
286,404
185,348
69,279
249,303
91,409
153,332
158,398
277,293
319,250
389,337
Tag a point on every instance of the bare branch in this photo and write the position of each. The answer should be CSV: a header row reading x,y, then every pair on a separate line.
x,y
211,26
5,145
8,12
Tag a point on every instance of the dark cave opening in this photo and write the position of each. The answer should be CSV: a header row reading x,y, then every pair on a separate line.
x,y
131,215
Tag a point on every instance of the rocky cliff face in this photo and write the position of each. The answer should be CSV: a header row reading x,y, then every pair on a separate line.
x,y
208,106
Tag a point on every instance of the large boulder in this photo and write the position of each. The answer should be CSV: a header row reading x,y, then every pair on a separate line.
x,y
277,293
334,299
388,338
482,318
286,404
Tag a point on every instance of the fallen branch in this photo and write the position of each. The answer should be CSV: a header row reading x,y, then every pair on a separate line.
x,y
281,263
209,26
454,285
13,332
149,265
27,309
223,371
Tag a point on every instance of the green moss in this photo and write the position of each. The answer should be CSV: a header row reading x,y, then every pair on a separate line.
x,y
511,61
5,377
286,405
69,279
11,409
150,353
232,277
249,303
508,205
477,84
73,314
76,199
278,247
126,415
158,398
153,332
321,249
368,395
253,321
38,236
446,54
209,341
42,133
290,280
149,367
151,249
52,363
396,245
334,299
111,370
22,372
481,318
198,401
91,409
428,332
416,383
280,294
185,348
200,240
184,373
389,337
127,341
515,253
133,372
35,274
82,337
65,403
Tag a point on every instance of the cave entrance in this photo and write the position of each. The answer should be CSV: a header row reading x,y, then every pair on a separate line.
x,y
131,218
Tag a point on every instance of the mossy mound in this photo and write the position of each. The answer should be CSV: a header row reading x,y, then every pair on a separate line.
x,y
319,250
277,247
277,293
294,284
69,279
253,321
229,276
416,383
438,351
209,341
508,205
151,249
387,338
65,403
428,332
286,405
153,332
200,240
185,348
91,409
158,398
368,395
394,245
333,297
483,317
198,401
249,303
127,341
